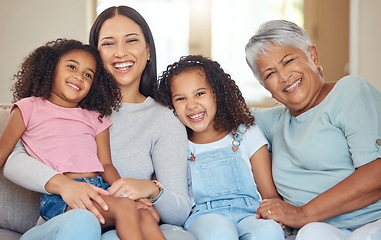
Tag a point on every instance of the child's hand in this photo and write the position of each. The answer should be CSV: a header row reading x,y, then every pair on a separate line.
x,y
144,203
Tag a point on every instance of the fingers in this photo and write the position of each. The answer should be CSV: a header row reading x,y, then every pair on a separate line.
x,y
100,191
145,201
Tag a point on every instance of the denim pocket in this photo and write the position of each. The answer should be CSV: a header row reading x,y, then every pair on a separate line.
x,y
219,178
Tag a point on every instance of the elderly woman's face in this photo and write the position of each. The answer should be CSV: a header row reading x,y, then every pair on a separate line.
x,y
291,76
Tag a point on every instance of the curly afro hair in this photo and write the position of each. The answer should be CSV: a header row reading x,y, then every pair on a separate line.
x,y
36,77
232,109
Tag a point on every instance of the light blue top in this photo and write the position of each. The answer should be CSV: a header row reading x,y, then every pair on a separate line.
x,y
319,148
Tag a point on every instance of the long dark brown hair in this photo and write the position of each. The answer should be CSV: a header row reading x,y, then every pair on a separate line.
x,y
148,82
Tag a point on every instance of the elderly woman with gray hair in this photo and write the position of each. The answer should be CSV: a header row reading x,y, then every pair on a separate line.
x,y
325,139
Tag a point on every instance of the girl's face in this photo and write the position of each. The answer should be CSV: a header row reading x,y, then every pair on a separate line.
x,y
194,101
123,50
73,77
291,77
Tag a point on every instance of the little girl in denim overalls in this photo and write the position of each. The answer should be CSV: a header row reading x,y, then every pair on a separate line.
x,y
226,152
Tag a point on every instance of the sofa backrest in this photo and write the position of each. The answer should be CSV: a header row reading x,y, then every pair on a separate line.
x,y
18,206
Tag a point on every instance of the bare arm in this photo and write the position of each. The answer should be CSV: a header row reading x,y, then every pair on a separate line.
x,y
12,132
358,190
110,174
261,166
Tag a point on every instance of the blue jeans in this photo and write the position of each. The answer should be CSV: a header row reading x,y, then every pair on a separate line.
x,y
79,224
76,224
53,205
171,232
216,226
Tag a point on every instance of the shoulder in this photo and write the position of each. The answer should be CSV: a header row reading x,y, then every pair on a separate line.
x,y
162,113
268,114
352,84
353,88
27,103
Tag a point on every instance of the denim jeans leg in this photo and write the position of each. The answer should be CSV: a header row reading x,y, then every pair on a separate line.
x,y
213,226
76,224
251,228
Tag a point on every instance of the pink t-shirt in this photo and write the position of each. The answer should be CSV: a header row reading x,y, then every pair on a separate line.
x,y
62,138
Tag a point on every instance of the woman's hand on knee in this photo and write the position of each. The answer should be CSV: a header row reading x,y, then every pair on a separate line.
x,y
282,212
132,188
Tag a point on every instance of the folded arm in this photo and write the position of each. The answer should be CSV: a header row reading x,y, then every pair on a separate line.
x,y
358,190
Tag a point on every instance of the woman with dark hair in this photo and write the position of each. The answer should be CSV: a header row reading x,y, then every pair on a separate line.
x,y
147,141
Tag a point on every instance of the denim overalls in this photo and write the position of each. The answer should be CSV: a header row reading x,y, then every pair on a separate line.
x,y
223,184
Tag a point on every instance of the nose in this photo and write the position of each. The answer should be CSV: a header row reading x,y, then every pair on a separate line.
x,y
120,51
284,76
78,78
191,105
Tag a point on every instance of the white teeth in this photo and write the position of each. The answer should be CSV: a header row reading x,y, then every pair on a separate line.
x,y
293,85
72,85
196,116
123,65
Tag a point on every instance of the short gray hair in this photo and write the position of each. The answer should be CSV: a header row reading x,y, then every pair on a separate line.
x,y
280,32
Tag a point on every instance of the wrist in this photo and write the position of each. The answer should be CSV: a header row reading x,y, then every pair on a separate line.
x,y
158,192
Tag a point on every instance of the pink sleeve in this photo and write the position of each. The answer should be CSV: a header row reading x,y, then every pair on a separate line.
x,y
101,126
26,107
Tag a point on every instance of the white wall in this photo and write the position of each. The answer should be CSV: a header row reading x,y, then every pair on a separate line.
x,y
365,37
27,24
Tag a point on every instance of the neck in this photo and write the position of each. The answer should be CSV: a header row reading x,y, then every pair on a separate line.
x,y
322,94
207,136
131,95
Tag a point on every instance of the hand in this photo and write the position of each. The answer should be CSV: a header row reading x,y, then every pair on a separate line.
x,y
282,212
144,203
133,188
78,194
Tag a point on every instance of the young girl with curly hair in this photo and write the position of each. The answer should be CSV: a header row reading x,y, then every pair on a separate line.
x,y
63,95
229,164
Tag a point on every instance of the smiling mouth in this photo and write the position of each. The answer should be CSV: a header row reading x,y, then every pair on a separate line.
x,y
73,86
196,116
123,66
293,86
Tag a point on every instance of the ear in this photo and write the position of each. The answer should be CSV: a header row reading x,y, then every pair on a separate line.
x,y
148,52
314,56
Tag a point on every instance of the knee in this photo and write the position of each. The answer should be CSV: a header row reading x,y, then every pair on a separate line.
x,y
120,205
319,230
79,222
261,229
271,230
213,226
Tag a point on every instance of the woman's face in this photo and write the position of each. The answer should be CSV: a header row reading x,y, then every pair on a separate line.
x,y
123,50
291,76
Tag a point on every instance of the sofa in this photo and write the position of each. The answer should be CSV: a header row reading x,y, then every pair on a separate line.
x,y
18,206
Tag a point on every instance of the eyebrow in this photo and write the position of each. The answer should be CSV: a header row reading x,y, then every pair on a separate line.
x,y
281,60
127,35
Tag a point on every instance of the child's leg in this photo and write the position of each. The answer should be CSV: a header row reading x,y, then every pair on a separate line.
x,y
251,228
124,216
150,228
213,226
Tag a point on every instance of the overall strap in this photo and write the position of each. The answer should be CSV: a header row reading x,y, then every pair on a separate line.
x,y
238,136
